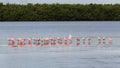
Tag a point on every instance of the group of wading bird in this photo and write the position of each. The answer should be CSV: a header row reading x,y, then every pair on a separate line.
x,y
14,42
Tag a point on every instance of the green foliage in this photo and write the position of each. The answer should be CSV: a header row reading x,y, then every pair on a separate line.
x,y
59,12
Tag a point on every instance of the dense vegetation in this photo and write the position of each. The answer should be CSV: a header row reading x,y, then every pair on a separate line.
x,y
59,12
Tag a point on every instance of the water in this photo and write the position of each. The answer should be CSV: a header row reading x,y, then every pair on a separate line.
x,y
46,29
82,56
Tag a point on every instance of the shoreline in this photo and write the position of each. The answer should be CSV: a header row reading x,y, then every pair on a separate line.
x,y
61,21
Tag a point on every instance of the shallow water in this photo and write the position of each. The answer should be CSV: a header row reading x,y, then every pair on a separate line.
x,y
52,29
82,56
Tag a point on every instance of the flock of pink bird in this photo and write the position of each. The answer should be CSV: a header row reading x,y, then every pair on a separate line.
x,y
55,41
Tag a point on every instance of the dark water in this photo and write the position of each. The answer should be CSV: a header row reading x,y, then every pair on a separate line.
x,y
83,56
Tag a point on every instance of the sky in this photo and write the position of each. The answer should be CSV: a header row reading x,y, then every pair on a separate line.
x,y
62,1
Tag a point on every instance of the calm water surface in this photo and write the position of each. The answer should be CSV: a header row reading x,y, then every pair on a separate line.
x,y
82,56
45,29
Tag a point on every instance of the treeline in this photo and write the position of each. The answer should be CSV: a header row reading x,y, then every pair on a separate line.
x,y
59,12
